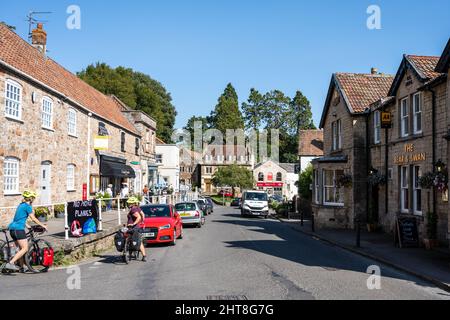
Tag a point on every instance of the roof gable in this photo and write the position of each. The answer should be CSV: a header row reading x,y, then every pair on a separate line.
x,y
21,56
444,63
422,66
310,143
359,91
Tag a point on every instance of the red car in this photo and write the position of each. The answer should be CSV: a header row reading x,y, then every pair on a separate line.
x,y
227,194
162,224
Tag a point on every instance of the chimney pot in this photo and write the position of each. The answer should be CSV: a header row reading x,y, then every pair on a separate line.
x,y
39,38
374,71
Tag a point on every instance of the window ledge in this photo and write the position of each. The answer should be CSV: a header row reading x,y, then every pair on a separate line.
x,y
15,119
13,194
333,205
48,129
73,135
71,190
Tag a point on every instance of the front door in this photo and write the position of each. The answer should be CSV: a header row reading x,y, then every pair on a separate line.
x,y
46,187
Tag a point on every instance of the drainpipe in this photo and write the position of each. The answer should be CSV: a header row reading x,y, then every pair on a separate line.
x,y
433,125
386,159
88,171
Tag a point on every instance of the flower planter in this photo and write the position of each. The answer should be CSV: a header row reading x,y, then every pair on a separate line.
x,y
42,218
59,215
430,243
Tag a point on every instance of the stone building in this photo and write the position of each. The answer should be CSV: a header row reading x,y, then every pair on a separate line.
x,y
344,123
412,146
60,135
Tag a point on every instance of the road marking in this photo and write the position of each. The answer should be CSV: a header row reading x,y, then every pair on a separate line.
x,y
226,298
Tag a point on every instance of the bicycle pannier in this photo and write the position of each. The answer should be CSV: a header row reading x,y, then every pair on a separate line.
x,y
47,257
119,241
136,240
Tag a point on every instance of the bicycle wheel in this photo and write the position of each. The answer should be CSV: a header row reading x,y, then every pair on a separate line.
x,y
3,259
126,253
33,256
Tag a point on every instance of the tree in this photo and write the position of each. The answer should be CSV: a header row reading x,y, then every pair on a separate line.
x,y
190,126
254,110
137,90
300,113
226,114
304,183
233,176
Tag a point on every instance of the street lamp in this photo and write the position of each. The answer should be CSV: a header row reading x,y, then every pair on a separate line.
x,y
440,166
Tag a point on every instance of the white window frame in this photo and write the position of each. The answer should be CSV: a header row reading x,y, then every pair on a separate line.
x,y
317,186
416,190
70,177
339,131
11,173
404,117
11,102
334,187
417,113
377,127
47,123
404,189
334,135
72,122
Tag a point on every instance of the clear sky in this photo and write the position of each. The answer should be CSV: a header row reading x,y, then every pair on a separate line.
x,y
196,47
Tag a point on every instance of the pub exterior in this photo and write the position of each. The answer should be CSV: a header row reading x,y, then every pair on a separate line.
x,y
386,150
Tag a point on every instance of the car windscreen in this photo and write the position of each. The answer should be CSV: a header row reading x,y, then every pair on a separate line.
x,y
254,196
201,201
156,211
185,207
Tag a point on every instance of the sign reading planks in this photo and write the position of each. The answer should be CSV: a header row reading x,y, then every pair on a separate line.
x,y
83,217
407,232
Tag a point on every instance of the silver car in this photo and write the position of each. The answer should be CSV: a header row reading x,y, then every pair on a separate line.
x,y
190,213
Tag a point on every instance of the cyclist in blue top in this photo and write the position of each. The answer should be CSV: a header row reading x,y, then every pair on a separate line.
x,y
18,226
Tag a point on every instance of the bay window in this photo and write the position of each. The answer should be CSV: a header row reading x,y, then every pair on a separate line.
x,y
332,193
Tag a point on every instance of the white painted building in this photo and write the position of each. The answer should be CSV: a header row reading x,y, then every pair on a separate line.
x,y
276,178
168,160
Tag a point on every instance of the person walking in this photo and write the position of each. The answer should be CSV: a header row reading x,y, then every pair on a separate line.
x,y
109,194
124,193
18,226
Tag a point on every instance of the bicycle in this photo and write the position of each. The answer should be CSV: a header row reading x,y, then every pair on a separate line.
x,y
129,252
33,258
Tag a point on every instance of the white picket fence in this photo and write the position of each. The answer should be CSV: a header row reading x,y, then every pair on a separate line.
x,y
162,199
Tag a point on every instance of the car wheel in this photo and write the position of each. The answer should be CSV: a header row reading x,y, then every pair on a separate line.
x,y
174,241
199,225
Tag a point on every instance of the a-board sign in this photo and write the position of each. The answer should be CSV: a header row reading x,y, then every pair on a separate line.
x,y
407,232
82,217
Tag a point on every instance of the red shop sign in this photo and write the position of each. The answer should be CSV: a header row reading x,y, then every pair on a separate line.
x,y
84,191
270,184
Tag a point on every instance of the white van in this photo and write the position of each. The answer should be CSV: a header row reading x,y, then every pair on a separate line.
x,y
255,203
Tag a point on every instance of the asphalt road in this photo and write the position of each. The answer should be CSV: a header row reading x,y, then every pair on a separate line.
x,y
230,257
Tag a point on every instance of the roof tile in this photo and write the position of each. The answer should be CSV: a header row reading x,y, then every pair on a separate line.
x,y
310,143
426,65
19,54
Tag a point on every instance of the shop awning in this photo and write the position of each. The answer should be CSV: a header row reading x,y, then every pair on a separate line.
x,y
116,169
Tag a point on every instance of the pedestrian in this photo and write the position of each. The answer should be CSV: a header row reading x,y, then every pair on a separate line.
x,y
124,193
109,194
145,192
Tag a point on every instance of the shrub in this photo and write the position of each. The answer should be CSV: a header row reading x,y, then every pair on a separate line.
x,y
42,212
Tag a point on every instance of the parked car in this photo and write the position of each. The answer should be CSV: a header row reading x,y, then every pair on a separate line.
x,y
190,213
236,202
210,204
255,203
162,224
204,206
276,198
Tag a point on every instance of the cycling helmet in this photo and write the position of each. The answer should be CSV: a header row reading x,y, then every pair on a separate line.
x,y
29,194
133,200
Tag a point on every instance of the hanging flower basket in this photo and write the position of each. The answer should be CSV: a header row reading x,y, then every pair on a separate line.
x,y
346,181
439,180
377,179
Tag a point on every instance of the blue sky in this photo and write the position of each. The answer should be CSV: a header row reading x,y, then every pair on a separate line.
x,y
196,47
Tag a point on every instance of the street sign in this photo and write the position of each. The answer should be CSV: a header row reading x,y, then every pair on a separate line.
x,y
101,143
136,163
386,120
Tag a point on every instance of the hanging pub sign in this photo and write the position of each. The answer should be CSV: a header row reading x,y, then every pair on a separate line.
x,y
386,120
82,217
101,142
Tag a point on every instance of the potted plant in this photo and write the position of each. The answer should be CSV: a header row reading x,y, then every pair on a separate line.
x,y
431,240
42,213
345,180
377,179
60,211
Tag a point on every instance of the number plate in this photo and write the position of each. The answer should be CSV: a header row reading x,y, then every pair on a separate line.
x,y
148,235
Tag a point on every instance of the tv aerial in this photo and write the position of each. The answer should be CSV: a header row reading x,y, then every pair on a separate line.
x,y
34,21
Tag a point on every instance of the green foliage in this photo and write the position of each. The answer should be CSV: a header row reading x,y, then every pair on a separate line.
x,y
233,176
227,115
304,183
42,212
60,208
252,110
136,90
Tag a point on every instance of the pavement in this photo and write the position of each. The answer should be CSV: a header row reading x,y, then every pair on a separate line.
x,y
430,265
229,258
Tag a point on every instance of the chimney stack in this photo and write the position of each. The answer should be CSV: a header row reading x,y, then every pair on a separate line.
x,y
39,38
374,71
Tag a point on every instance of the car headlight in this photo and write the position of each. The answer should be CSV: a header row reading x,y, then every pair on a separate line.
x,y
167,226
246,207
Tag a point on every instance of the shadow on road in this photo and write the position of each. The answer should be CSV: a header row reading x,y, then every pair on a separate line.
x,y
296,247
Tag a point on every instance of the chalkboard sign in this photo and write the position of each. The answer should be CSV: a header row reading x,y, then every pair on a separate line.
x,y
407,232
82,217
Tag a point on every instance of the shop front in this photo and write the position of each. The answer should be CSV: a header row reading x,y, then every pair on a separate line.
x,y
115,171
272,188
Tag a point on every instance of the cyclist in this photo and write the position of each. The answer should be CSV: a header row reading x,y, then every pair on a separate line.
x,y
136,221
18,226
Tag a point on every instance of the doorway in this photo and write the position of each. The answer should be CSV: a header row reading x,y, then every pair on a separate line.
x,y
46,183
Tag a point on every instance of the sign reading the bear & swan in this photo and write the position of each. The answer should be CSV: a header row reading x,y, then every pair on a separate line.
x,y
410,156
386,120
